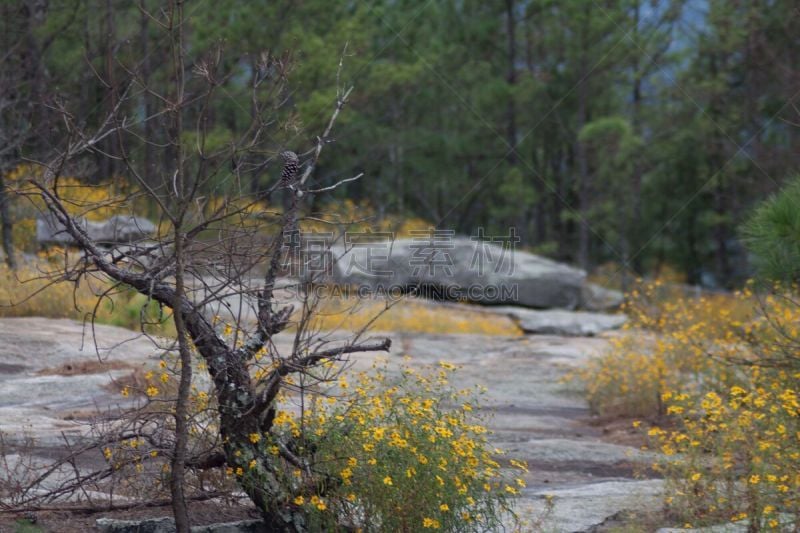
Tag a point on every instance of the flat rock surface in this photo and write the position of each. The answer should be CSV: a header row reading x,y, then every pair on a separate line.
x,y
562,322
577,508
535,416
52,372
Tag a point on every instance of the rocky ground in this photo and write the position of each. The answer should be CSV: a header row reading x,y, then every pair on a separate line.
x,y
52,378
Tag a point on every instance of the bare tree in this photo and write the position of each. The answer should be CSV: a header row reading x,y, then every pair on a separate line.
x,y
206,258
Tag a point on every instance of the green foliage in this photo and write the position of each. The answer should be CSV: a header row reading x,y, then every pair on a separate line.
x,y
606,133
773,235
132,310
608,115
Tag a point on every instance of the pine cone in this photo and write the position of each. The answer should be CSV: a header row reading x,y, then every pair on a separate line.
x,y
290,167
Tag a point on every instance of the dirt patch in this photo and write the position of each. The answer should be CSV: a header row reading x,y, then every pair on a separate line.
x,y
134,382
81,368
9,368
632,522
621,430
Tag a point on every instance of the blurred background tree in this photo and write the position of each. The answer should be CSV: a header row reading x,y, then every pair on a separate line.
x,y
633,132
772,234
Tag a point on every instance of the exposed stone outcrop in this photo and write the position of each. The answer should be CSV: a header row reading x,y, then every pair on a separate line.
x,y
464,269
561,322
119,229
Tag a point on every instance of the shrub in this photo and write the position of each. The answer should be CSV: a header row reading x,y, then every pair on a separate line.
x,y
410,454
771,234
667,344
402,451
733,453
720,376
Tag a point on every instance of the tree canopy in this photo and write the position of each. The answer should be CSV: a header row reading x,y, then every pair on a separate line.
x,y
632,132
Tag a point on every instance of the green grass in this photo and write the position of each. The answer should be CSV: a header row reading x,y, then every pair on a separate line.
x,y
26,526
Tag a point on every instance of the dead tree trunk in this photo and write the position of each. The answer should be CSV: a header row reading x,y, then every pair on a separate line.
x,y
246,409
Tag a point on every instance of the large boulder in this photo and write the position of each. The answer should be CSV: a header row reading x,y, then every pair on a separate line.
x,y
464,269
119,229
49,231
122,229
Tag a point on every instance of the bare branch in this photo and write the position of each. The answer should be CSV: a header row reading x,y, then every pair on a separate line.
x,y
340,103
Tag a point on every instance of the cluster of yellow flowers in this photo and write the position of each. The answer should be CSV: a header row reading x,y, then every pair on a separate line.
x,y
405,459
94,201
670,342
351,216
399,450
732,453
27,291
721,376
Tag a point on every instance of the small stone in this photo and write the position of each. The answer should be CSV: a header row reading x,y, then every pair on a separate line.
x,y
167,525
562,322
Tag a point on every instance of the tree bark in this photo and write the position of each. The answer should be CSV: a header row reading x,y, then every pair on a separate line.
x,y
6,224
583,177
150,171
511,78
178,466
584,190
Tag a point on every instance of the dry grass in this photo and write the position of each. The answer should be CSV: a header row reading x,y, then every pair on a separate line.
x,y
27,292
30,291
412,316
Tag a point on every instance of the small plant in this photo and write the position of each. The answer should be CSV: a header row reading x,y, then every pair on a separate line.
x,y
26,526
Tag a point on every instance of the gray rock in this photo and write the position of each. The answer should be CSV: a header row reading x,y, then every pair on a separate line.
x,y
564,451
167,525
39,402
738,527
50,231
533,414
153,525
116,230
580,508
243,526
463,269
122,229
597,298
560,322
